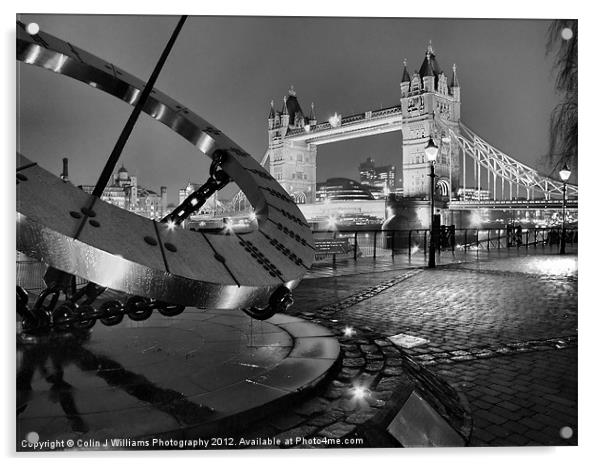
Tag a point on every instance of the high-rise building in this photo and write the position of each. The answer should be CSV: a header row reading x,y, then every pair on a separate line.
x,y
379,180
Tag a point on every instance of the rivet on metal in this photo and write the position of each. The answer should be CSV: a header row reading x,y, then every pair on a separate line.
x,y
150,240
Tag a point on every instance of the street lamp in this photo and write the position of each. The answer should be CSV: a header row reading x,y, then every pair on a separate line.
x,y
431,150
565,173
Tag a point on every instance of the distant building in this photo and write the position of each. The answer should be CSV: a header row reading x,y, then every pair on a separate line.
x,y
125,193
379,180
342,189
473,194
293,166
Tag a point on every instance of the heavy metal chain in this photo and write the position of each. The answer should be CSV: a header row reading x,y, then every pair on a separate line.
x,y
74,315
217,180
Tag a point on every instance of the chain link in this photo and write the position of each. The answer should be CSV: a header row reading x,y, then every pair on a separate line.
x,y
73,316
218,178
111,312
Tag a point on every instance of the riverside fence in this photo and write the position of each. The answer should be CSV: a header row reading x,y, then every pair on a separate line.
x,y
379,243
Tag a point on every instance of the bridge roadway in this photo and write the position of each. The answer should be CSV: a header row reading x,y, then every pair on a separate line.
x,y
353,126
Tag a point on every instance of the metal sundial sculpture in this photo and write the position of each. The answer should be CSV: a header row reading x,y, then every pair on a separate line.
x,y
160,266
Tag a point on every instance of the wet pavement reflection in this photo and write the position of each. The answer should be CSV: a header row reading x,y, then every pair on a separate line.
x,y
87,384
178,376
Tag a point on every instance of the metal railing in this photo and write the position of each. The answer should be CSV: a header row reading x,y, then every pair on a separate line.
x,y
382,243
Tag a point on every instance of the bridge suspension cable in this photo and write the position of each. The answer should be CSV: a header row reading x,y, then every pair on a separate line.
x,y
500,165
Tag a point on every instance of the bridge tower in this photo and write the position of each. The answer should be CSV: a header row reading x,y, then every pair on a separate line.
x,y
428,97
292,163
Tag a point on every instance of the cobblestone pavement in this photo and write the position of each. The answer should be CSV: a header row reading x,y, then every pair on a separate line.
x,y
385,375
521,399
503,331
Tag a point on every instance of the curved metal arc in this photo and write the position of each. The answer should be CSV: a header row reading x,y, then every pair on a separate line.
x,y
44,226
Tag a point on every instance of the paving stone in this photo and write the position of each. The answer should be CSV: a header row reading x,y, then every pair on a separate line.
x,y
498,431
369,348
393,371
489,416
509,406
505,413
390,351
365,380
347,374
374,366
348,346
481,404
338,384
390,383
333,393
379,399
337,430
481,436
383,342
361,416
353,362
394,362
515,427
327,418
540,438
492,400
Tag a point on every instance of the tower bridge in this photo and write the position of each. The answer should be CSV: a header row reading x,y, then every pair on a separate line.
x,y
429,107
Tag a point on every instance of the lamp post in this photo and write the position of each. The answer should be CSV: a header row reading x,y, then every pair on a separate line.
x,y
565,173
431,151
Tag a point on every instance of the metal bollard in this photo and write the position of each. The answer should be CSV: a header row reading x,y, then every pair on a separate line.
x,y
374,247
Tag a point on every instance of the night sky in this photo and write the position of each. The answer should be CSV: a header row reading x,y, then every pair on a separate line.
x,y
228,70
